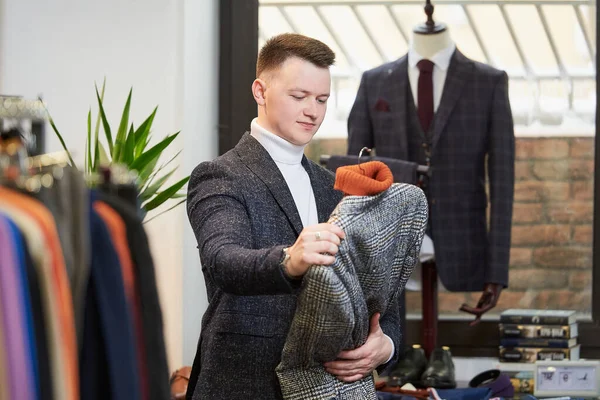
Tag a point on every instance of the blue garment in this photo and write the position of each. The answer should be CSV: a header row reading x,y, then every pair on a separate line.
x,y
446,394
108,364
25,302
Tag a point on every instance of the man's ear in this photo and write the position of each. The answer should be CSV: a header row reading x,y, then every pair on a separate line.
x,y
259,87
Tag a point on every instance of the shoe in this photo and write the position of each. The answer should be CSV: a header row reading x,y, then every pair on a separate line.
x,y
410,368
440,371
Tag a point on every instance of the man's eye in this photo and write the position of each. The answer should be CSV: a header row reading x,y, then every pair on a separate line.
x,y
297,97
322,101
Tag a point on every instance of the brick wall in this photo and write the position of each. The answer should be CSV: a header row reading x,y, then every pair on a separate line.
x,y
551,252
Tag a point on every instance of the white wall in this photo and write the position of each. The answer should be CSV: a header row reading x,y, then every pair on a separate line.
x,y
166,50
201,95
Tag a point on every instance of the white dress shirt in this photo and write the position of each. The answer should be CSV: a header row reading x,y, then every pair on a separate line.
x,y
441,59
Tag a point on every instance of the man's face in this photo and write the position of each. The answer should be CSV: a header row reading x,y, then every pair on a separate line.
x,y
295,100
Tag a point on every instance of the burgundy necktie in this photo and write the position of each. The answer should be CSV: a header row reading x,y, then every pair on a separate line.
x,y
425,93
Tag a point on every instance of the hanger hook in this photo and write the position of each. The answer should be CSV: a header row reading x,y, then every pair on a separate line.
x,y
368,150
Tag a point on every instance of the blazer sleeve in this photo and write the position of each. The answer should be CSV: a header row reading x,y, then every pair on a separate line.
x,y
216,210
501,170
360,129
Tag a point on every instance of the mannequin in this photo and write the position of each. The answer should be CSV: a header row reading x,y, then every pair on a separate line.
x,y
471,132
428,45
428,40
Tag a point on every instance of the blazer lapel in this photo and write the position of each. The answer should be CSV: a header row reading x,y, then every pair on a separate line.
x,y
458,73
319,190
395,88
258,160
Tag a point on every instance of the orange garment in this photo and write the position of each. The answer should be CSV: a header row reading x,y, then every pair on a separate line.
x,y
46,222
365,179
118,233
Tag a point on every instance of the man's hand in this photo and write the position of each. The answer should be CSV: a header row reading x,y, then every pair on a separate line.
x,y
316,245
353,365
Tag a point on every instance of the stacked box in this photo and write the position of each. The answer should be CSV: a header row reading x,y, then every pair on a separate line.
x,y
530,335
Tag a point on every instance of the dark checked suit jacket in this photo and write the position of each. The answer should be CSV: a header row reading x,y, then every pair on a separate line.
x,y
243,215
383,238
472,132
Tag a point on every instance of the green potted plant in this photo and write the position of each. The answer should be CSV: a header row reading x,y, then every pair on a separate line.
x,y
129,147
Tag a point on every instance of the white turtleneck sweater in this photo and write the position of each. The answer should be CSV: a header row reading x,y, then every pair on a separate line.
x,y
288,158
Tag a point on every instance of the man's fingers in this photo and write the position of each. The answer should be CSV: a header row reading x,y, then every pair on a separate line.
x,y
327,227
351,379
318,259
356,354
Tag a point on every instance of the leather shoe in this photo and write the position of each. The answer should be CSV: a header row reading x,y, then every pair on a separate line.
x,y
440,371
410,368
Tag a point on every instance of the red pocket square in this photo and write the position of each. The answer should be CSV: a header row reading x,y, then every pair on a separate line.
x,y
382,105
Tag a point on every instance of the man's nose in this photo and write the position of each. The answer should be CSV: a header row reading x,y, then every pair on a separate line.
x,y
311,110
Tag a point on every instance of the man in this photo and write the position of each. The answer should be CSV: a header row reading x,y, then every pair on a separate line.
x,y
258,213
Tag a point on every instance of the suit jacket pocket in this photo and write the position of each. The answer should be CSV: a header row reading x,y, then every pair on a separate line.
x,y
251,324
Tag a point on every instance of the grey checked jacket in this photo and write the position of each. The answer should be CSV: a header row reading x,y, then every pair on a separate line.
x,y
383,238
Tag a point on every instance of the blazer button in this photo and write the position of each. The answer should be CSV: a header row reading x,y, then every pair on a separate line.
x,y
433,202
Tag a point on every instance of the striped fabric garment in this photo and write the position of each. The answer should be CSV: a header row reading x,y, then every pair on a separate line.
x,y
383,238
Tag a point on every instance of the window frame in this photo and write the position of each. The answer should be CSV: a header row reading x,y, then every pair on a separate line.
x,y
237,63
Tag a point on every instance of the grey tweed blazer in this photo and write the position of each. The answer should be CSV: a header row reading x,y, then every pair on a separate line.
x,y
472,133
243,215
383,238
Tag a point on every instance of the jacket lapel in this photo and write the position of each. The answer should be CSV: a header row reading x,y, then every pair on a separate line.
x,y
394,89
258,160
458,73
319,190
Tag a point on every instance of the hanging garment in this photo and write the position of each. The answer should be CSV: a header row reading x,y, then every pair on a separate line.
x,y
67,201
154,350
40,252
118,233
115,378
384,225
15,312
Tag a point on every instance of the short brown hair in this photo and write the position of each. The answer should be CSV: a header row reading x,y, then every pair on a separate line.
x,y
281,47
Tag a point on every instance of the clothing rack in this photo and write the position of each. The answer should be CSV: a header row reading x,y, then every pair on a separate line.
x,y
422,169
80,314
27,116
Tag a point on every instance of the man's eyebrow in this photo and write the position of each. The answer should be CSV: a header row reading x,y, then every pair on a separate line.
x,y
307,92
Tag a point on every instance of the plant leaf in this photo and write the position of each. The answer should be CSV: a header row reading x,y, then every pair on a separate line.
x,y
104,121
179,195
127,152
102,155
151,190
162,212
92,163
141,134
60,138
165,195
120,139
156,171
88,144
154,152
147,170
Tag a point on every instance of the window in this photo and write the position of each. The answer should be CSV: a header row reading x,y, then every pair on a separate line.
x,y
548,49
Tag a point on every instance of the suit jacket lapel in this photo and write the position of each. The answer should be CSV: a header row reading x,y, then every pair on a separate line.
x,y
319,190
258,160
458,72
394,90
